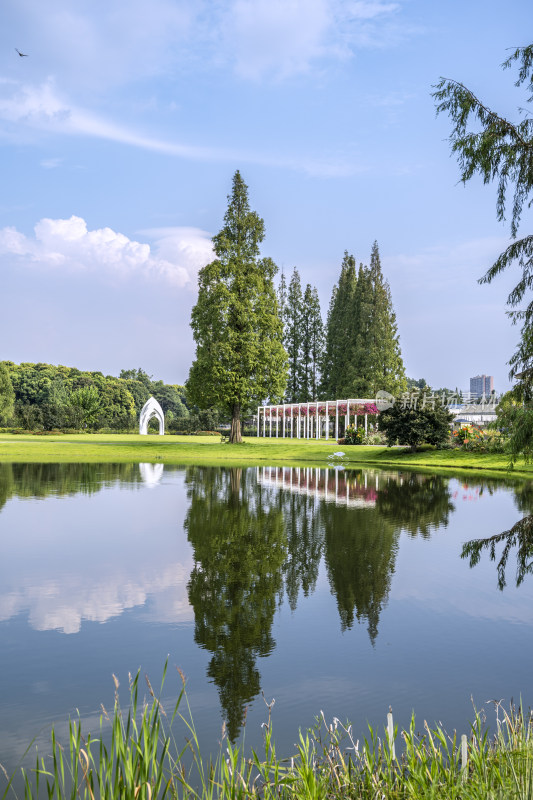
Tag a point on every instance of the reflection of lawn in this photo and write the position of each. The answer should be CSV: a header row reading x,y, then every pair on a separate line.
x,y
209,450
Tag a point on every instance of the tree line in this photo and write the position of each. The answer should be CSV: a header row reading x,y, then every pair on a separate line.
x,y
48,397
255,344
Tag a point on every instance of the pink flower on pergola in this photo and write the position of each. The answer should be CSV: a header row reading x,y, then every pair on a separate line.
x,y
304,409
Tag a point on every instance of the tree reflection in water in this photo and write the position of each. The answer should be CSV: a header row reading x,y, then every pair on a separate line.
x,y
519,536
360,554
43,480
240,547
415,503
258,533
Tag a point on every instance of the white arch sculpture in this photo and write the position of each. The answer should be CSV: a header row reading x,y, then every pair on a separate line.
x,y
151,409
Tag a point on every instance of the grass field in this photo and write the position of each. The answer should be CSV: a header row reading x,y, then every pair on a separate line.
x,y
121,448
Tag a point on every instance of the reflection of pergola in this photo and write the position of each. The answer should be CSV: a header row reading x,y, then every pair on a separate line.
x,y
310,420
330,484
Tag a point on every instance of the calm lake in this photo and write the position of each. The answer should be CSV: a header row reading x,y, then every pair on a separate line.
x,y
332,590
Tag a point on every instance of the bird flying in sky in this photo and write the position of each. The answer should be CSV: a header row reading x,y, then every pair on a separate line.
x,y
22,55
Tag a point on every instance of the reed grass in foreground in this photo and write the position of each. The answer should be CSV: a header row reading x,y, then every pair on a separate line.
x,y
136,756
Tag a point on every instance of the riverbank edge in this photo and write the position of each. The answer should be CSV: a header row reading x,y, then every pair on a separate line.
x,y
209,451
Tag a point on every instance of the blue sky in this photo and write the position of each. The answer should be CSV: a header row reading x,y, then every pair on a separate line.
x,y
121,130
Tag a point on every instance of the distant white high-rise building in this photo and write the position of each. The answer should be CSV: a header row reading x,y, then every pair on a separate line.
x,y
482,385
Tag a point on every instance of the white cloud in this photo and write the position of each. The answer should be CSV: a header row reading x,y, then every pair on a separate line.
x,y
51,163
176,257
96,47
63,603
43,108
361,9
99,44
281,38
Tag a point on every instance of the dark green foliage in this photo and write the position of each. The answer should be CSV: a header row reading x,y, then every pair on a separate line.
x,y
305,542
240,359
86,404
303,338
208,420
414,426
340,332
315,331
519,536
7,395
416,384
515,420
491,146
362,353
353,435
360,553
43,480
239,548
419,504
52,397
293,338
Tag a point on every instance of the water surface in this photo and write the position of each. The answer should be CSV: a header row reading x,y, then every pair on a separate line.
x,y
326,589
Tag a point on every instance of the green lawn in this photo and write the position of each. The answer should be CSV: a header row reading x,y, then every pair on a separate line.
x,y
209,450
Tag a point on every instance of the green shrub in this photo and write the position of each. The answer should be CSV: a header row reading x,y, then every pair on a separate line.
x,y
375,437
354,435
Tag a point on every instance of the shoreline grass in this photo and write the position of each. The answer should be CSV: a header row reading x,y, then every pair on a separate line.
x,y
135,754
183,450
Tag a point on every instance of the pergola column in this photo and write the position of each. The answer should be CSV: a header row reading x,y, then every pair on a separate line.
x,y
270,421
327,420
283,420
258,409
316,418
299,422
336,419
366,424
264,422
277,421
347,417
292,420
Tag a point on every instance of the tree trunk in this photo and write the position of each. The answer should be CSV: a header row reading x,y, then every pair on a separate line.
x,y
235,483
235,436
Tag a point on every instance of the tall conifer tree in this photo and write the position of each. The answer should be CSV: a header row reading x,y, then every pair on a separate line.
x,y
293,318
240,358
317,344
362,352
307,344
386,364
338,338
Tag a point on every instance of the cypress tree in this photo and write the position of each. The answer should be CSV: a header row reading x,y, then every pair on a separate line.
x,y
306,361
282,298
362,353
312,344
293,337
317,343
340,318
358,373
386,364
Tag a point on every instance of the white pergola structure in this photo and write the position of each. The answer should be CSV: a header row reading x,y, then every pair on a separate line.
x,y
312,420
